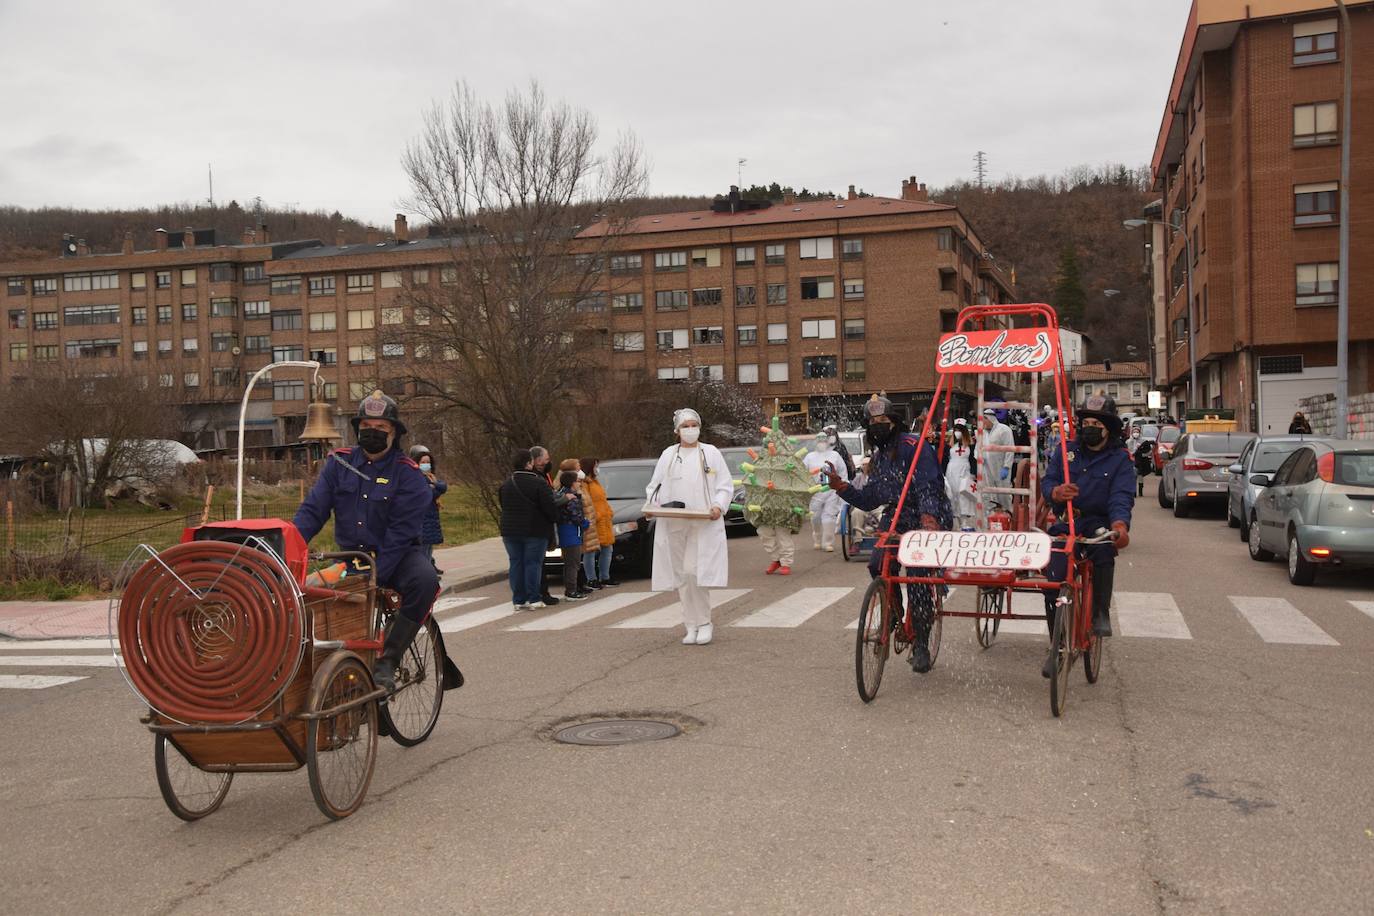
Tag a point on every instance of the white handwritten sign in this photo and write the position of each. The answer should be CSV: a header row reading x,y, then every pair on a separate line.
x,y
1014,350
1021,550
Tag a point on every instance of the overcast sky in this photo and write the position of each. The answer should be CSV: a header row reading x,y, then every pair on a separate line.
x,y
310,104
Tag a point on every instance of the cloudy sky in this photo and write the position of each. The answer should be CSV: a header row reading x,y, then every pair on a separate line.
x,y
310,104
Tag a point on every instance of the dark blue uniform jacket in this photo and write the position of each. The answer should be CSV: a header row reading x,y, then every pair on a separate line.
x,y
1106,494
887,473
380,511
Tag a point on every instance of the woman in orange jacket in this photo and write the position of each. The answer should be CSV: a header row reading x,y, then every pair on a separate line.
x,y
598,565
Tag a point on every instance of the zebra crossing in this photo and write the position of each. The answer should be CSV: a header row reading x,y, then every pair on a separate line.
x,y
75,654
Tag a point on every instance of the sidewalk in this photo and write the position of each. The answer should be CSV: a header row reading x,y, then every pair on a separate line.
x,y
466,567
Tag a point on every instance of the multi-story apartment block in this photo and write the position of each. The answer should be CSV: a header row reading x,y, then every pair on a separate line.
x,y
1248,165
815,305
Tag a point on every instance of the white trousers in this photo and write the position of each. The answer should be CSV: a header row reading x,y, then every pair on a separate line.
x,y
778,544
696,602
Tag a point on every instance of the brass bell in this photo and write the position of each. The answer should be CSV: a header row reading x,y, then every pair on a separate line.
x,y
319,423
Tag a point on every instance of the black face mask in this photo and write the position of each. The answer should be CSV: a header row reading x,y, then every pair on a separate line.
x,y
878,434
373,441
1092,436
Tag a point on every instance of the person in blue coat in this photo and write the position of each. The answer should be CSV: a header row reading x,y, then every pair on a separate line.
x,y
927,504
431,529
379,498
1102,486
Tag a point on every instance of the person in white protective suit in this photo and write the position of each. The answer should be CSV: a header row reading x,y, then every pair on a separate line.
x,y
825,505
690,553
995,465
959,475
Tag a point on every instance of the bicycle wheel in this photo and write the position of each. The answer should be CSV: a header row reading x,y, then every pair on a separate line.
x,y
990,601
872,643
846,535
190,792
936,625
1062,647
410,714
1092,643
341,750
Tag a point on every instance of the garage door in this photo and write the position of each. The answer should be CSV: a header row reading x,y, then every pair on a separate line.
x,y
1279,395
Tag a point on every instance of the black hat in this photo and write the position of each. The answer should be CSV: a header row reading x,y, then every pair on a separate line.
x,y
417,450
1101,407
379,406
877,406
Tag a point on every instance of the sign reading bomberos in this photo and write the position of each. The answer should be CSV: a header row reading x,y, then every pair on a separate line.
x,y
1013,350
1024,550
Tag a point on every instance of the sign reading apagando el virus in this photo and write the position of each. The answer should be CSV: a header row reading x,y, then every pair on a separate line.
x,y
1012,350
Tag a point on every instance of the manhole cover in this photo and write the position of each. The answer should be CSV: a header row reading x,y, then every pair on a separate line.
x,y
616,731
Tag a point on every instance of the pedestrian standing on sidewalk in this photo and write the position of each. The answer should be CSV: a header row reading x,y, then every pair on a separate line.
x,y
690,553
432,529
542,461
571,525
605,527
527,513
591,536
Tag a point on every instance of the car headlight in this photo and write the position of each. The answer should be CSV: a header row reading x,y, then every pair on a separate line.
x,y
624,528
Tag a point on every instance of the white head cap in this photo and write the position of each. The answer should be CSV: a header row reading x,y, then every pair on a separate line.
x,y
684,414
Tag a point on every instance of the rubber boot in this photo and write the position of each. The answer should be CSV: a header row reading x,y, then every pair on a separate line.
x,y
398,639
1103,578
1051,605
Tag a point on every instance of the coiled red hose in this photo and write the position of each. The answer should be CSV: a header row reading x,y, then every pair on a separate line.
x,y
222,646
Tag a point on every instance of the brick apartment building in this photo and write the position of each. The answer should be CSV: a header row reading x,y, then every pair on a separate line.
x,y
1128,383
1249,155
817,303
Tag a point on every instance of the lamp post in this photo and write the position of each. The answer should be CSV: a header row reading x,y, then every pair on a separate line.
x,y
1179,225
243,414
1343,269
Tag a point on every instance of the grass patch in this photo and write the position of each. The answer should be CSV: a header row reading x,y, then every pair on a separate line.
x,y
44,590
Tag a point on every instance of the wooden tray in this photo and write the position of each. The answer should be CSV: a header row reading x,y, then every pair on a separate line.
x,y
661,512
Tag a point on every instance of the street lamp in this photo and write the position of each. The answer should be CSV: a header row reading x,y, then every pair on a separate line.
x,y
1178,225
1343,269
243,413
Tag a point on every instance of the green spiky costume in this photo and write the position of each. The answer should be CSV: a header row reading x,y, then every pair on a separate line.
x,y
777,486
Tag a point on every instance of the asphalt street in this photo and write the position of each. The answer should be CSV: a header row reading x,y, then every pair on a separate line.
x,y
1223,763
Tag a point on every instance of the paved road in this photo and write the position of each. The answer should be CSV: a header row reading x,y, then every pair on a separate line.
x,y
1224,763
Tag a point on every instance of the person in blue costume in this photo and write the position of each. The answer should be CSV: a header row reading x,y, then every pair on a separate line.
x,y
926,506
379,498
1102,486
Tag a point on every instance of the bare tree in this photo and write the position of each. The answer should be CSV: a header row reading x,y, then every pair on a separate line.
x,y
501,346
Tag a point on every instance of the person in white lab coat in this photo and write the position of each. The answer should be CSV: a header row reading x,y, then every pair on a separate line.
x,y
825,506
690,554
959,475
995,465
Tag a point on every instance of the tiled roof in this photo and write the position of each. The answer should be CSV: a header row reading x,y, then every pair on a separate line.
x,y
778,213
1094,371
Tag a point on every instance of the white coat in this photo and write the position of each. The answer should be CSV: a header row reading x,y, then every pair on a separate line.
x,y
959,481
825,504
993,463
702,540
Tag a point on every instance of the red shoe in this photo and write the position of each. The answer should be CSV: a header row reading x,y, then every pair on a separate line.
x,y
785,571
772,568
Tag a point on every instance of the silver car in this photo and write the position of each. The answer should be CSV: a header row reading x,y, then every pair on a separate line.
x,y
1317,509
1197,471
1261,456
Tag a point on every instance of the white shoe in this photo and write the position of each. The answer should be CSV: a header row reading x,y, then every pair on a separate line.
x,y
816,545
535,606
691,638
704,634
518,606
829,548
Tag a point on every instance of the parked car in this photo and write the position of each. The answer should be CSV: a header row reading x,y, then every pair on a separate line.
x,y
625,482
1261,456
1317,509
1164,446
734,519
1198,471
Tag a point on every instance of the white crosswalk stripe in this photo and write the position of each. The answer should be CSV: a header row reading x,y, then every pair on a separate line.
x,y
57,661
666,618
1364,607
794,610
100,643
1150,614
1276,620
581,613
34,681
453,601
470,619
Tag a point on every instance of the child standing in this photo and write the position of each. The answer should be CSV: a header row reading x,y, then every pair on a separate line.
x,y
572,521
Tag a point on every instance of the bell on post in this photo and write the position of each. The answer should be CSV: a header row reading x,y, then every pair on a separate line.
x,y
319,423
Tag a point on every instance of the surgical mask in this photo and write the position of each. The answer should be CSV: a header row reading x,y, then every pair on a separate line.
x,y
373,441
426,467
689,434
879,433
820,445
1092,436
581,475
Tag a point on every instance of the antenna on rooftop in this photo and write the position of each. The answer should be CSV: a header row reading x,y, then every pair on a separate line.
x,y
980,167
210,170
739,173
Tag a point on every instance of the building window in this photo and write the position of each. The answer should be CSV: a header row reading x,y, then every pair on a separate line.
x,y
854,370
361,319
390,279
254,273
853,289
1314,41
162,279
670,300
221,342
745,295
1315,124
190,311
221,273
80,283
19,319
19,352
775,254
852,249
777,332
288,352
777,293
777,372
592,302
140,314
628,342
676,339
91,314
1316,204
627,264
362,355
287,321
357,283
224,308
92,349
45,286
329,391
225,377
166,380
748,373
1137,391
709,296
257,343
164,314
744,256
322,286
164,349
747,335
393,350
629,303
326,356
1113,390
944,239
705,257
190,379
948,319
138,280
14,286
816,249
706,336
257,308
190,345
47,321
286,286
1180,326
818,288
393,316
1318,284
853,329
818,328
188,276
46,353
819,367
293,390
670,260
359,390
672,374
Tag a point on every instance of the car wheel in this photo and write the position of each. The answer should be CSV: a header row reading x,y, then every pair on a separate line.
x,y
1301,571
1231,520
1180,506
1164,501
1244,528
1257,552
